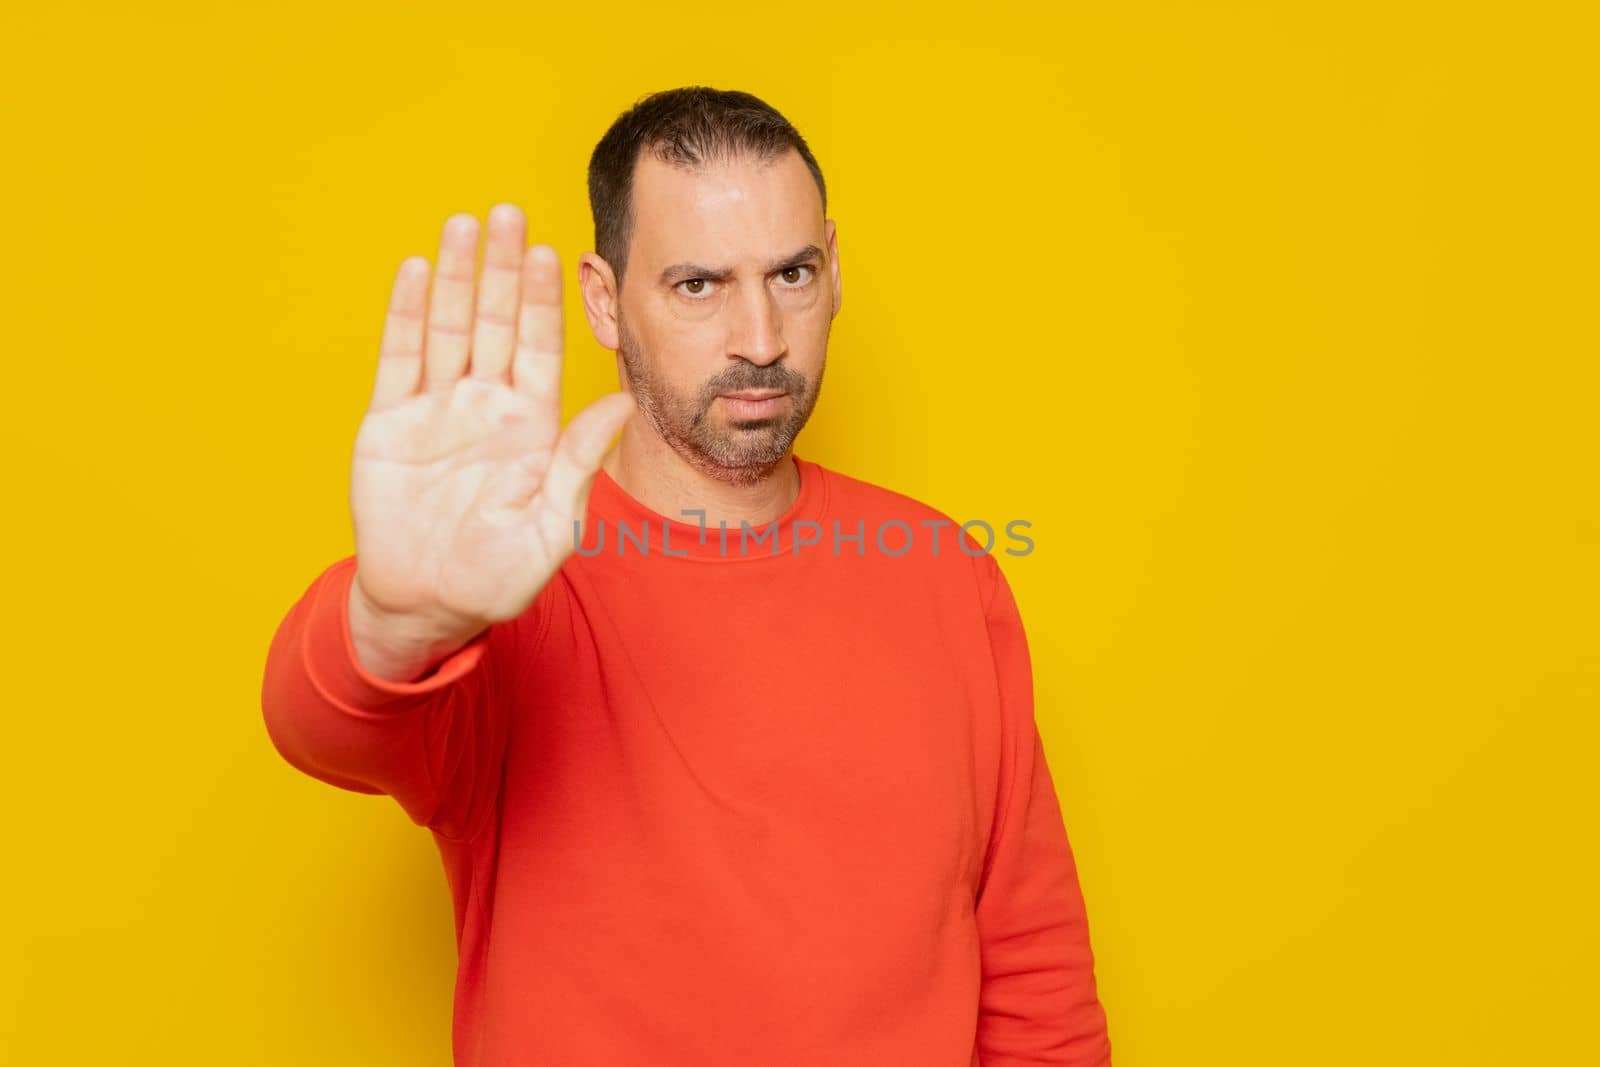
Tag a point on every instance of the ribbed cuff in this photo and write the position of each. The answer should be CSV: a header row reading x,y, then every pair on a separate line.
x,y
330,652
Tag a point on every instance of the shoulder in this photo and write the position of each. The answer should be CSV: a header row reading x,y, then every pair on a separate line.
x,y
850,496
959,549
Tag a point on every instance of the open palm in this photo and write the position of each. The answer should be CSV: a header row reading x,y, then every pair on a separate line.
x,y
464,486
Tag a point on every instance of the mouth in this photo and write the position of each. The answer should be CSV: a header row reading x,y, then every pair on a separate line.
x,y
753,403
753,394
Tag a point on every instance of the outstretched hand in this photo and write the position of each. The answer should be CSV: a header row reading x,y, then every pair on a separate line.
x,y
464,486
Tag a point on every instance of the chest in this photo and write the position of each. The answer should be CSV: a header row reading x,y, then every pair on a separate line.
x,y
739,772
796,716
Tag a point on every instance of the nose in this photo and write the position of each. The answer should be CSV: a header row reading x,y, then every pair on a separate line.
x,y
756,334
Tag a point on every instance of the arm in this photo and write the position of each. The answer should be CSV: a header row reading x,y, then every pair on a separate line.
x,y
466,495
434,743
1038,1003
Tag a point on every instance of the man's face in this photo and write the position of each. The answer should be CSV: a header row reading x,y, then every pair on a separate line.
x,y
731,286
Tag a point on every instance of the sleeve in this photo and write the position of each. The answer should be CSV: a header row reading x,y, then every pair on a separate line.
x,y
435,744
1038,1003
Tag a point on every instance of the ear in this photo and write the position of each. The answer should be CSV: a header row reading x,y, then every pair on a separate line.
x,y
598,286
831,238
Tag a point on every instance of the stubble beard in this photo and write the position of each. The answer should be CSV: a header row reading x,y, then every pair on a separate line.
x,y
739,453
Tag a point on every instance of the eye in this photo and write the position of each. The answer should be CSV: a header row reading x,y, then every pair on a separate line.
x,y
696,287
796,270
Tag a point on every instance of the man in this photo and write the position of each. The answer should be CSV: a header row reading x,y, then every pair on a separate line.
x,y
730,759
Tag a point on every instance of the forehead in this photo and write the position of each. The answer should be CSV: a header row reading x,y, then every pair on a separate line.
x,y
723,212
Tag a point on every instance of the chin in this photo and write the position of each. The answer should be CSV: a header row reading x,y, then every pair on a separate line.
x,y
745,456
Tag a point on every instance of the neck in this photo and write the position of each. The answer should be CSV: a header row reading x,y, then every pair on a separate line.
x,y
647,469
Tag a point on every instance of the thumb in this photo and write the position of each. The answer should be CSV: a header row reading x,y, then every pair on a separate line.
x,y
582,446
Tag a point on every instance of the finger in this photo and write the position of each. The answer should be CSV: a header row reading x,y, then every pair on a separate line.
x,y
494,327
450,306
400,353
536,371
578,454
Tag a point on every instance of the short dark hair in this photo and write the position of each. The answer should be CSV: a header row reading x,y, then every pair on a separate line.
x,y
685,127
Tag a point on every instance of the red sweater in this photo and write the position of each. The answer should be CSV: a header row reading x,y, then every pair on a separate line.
x,y
727,808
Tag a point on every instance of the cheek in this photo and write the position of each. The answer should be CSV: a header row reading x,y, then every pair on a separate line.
x,y
686,355
675,342
682,332
806,330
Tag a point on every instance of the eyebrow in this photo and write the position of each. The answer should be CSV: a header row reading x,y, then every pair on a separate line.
x,y
680,271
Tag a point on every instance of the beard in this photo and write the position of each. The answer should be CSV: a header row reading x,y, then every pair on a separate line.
x,y
735,451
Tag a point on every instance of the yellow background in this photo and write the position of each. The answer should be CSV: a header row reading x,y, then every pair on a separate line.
x,y
1276,321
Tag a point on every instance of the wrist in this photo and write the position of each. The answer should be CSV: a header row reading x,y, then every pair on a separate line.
x,y
401,646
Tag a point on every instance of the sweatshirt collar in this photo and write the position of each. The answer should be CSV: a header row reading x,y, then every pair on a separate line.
x,y
625,521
